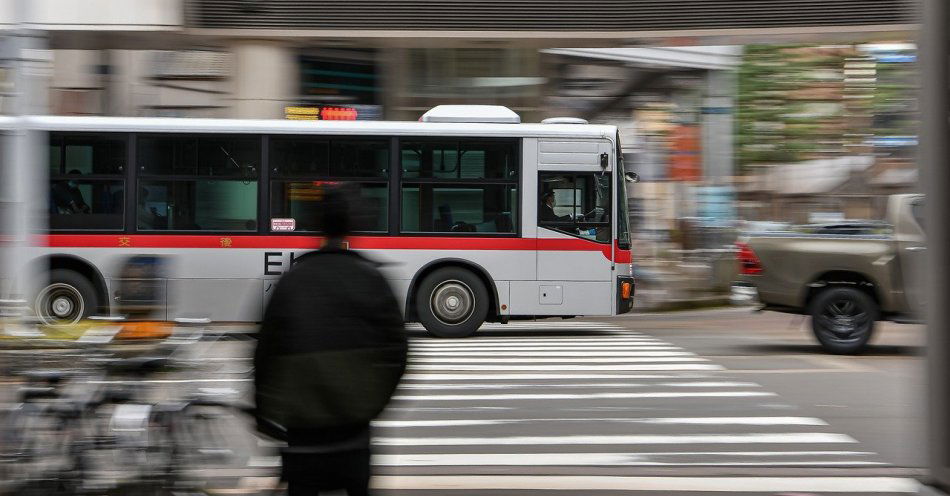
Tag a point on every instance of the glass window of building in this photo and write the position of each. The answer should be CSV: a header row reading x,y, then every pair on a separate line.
x,y
341,77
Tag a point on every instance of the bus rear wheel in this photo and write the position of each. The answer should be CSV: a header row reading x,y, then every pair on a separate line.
x,y
68,298
452,303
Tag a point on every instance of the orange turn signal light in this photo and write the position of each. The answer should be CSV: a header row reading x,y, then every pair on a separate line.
x,y
145,330
625,288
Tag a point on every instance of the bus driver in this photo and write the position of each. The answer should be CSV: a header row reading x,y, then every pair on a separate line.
x,y
547,209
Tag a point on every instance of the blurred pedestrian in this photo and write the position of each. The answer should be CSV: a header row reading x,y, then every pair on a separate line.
x,y
330,352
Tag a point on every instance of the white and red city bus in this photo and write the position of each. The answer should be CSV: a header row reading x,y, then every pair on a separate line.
x,y
472,215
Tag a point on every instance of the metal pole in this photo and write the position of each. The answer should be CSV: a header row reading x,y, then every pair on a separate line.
x,y
935,175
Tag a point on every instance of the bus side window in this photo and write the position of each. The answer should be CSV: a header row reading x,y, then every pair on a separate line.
x,y
459,186
302,167
198,183
87,184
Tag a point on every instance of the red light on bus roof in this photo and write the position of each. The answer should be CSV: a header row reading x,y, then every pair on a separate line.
x,y
322,113
338,114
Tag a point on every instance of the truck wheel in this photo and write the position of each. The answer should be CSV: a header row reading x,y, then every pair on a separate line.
x,y
842,319
452,303
68,298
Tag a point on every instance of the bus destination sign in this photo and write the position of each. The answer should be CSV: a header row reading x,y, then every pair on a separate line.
x,y
333,113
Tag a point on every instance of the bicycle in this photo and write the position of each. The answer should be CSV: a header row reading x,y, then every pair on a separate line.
x,y
113,435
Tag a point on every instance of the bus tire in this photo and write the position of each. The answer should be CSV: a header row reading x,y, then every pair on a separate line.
x,y
68,298
452,303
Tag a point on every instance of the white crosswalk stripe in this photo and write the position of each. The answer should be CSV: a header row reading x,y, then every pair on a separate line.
x,y
630,367
560,394
590,385
612,459
444,484
589,396
671,420
754,438
414,376
593,359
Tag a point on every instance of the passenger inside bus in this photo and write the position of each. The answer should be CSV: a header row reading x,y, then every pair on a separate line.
x,y
148,216
67,198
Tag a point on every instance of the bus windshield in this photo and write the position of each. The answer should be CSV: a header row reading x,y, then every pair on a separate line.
x,y
623,216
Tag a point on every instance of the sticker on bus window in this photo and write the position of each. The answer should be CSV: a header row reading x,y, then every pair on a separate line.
x,y
283,225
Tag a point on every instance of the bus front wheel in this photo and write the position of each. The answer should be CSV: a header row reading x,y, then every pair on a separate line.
x,y
452,303
68,298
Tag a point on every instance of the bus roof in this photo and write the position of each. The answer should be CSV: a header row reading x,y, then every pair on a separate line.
x,y
280,126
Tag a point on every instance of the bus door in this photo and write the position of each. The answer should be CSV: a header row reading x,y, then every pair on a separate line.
x,y
575,248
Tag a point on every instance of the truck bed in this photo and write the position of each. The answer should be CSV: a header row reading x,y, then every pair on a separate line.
x,y
794,263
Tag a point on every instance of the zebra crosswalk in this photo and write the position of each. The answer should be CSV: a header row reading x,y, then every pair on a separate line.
x,y
595,408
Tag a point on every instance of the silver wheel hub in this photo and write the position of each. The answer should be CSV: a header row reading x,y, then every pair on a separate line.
x,y
59,303
452,302
61,306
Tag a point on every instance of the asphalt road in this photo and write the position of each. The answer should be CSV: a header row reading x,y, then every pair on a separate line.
x,y
721,401
877,397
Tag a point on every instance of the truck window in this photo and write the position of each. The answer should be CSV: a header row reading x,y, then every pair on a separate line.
x,y
917,210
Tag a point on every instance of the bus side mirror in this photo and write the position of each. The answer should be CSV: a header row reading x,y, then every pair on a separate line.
x,y
632,177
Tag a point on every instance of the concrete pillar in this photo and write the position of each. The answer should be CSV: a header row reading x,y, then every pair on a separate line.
x,y
935,176
391,66
75,87
265,79
718,121
23,171
118,83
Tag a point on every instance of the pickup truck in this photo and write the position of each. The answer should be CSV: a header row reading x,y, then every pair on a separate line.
x,y
845,279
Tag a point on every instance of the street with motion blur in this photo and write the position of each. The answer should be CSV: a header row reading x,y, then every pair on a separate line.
x,y
720,400
638,247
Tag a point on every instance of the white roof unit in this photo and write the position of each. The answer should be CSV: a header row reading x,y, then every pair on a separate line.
x,y
471,113
564,120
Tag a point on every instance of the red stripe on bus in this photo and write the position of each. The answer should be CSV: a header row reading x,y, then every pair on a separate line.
x,y
313,242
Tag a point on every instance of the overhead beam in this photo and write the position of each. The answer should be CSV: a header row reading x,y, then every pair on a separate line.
x,y
63,37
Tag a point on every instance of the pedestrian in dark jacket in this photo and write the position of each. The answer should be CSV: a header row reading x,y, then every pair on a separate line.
x,y
330,352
